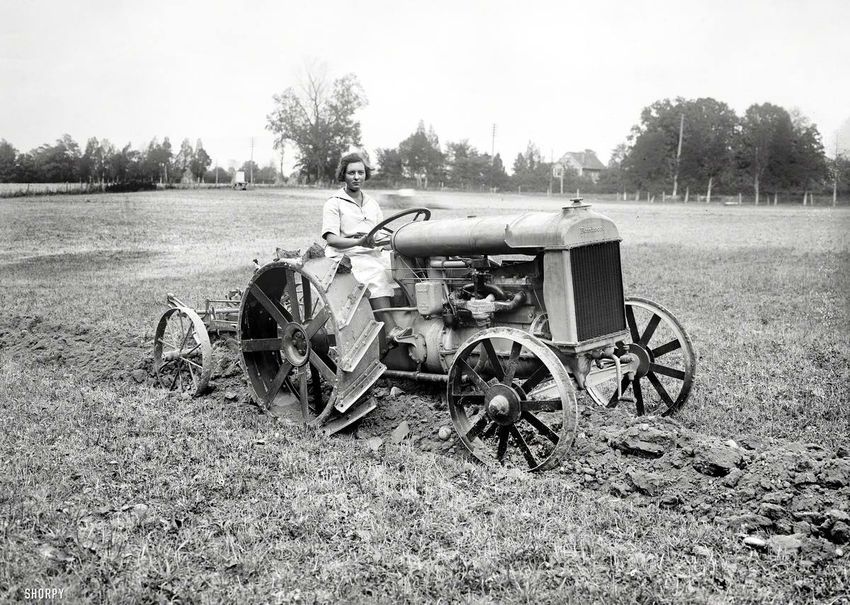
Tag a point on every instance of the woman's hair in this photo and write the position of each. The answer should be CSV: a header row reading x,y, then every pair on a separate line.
x,y
351,158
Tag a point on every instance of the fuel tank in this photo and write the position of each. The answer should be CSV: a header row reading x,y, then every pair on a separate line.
x,y
528,233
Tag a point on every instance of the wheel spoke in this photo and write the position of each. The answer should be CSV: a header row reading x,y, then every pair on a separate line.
x,y
319,364
489,431
315,379
261,344
273,309
536,378
465,399
666,348
473,375
294,305
186,334
495,363
630,318
282,373
662,392
175,377
672,372
513,361
317,322
650,329
504,433
541,426
542,405
306,295
191,371
638,397
614,400
305,402
192,363
526,451
479,425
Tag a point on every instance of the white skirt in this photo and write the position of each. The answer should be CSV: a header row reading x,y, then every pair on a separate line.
x,y
372,268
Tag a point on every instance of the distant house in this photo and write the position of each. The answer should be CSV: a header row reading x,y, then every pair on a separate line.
x,y
584,162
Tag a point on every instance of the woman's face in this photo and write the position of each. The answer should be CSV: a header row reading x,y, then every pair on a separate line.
x,y
355,174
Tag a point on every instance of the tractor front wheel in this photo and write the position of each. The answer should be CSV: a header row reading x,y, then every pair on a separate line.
x,y
511,400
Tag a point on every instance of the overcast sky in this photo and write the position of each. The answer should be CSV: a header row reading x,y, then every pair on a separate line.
x,y
566,75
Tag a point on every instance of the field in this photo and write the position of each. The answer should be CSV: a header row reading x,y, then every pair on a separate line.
x,y
113,489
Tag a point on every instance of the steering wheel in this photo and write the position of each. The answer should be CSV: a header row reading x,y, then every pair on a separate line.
x,y
371,242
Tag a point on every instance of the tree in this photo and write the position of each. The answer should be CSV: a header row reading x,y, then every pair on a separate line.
x,y
495,175
390,166
251,169
57,163
266,174
318,118
8,157
765,136
808,166
531,173
421,156
89,159
217,175
200,161
183,160
707,129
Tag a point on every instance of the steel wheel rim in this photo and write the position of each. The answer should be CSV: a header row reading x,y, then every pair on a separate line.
x,y
305,377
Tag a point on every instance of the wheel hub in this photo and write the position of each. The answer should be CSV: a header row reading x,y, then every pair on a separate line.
x,y
644,358
296,345
502,404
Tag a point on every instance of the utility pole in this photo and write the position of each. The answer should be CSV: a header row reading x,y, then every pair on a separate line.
x,y
493,144
216,174
678,155
251,165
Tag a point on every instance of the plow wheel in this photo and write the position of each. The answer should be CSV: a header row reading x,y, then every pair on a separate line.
x,y
182,355
667,359
511,400
309,342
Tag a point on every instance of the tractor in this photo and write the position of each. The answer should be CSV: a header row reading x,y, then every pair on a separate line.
x,y
516,314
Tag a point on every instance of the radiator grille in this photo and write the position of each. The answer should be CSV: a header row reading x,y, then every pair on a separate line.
x,y
598,290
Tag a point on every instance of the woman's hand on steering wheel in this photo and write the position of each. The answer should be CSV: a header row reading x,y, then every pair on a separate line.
x,y
370,241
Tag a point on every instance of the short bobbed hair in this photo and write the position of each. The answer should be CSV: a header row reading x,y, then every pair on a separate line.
x,y
351,158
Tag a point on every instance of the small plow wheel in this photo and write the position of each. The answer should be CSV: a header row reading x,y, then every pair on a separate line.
x,y
667,362
511,400
309,341
182,355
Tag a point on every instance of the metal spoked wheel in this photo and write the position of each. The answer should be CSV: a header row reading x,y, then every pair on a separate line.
x,y
182,355
511,400
667,359
308,341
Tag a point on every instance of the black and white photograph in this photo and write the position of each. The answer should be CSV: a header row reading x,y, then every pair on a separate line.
x,y
466,301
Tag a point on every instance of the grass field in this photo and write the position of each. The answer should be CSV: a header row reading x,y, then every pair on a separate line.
x,y
123,492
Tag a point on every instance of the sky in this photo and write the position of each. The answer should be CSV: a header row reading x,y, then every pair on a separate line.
x,y
565,75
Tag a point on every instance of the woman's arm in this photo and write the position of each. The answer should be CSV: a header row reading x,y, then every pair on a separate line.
x,y
342,243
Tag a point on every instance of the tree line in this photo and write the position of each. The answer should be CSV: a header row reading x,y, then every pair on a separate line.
x,y
703,146
102,163
680,146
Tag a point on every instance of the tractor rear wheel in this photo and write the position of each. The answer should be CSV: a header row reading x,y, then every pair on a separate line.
x,y
309,342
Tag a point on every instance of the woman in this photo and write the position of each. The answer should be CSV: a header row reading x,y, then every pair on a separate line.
x,y
347,216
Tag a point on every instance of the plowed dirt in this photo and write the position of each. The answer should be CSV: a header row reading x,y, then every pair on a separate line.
x,y
787,496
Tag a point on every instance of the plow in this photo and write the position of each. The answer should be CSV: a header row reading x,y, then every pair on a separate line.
x,y
516,315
